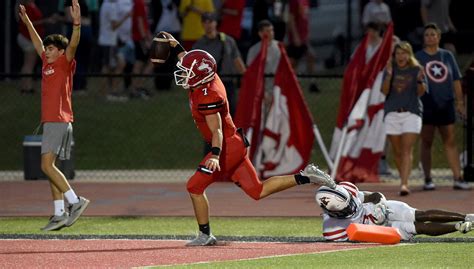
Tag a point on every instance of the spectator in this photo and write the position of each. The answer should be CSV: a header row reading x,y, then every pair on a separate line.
x,y
231,14
298,37
57,55
410,30
125,45
265,30
191,11
440,105
376,11
166,19
83,51
224,50
403,84
142,42
108,37
437,11
24,41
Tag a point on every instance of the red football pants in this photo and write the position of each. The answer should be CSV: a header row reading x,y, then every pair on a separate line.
x,y
235,165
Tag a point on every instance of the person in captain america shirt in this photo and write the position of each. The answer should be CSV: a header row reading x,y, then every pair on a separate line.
x,y
440,103
228,157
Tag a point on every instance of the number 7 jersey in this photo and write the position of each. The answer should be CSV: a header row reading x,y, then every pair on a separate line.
x,y
208,99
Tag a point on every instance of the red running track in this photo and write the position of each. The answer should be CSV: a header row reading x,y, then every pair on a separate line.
x,y
135,253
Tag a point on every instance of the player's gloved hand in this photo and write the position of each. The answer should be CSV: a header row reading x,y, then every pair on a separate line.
x,y
213,163
173,41
381,212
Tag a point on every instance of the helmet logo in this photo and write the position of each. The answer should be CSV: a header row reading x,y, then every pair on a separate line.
x,y
324,201
205,65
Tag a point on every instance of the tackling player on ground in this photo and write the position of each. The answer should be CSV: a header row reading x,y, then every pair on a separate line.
x,y
228,157
346,204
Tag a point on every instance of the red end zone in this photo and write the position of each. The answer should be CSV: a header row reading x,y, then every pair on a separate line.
x,y
132,253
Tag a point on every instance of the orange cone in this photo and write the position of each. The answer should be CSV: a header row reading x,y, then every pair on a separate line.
x,y
373,234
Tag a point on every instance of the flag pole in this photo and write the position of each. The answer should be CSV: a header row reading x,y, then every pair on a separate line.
x,y
339,152
317,134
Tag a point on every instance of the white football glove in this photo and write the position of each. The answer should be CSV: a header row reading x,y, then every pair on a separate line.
x,y
380,213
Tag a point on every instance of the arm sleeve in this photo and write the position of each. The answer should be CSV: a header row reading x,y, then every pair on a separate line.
x,y
210,102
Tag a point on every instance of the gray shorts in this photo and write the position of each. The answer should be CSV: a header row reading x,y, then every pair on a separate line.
x,y
57,138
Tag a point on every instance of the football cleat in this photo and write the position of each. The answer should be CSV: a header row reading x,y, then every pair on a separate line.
x,y
202,239
318,176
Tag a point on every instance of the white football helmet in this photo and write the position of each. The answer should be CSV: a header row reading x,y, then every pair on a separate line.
x,y
337,203
197,67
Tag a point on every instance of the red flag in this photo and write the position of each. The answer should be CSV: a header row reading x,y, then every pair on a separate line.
x,y
284,145
361,112
248,114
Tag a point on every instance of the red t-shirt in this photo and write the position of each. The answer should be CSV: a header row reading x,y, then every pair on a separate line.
x,y
56,89
230,24
209,99
139,16
34,13
300,11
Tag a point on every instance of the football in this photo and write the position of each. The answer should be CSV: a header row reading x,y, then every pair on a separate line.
x,y
160,49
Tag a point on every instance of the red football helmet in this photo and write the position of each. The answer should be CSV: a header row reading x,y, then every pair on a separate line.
x,y
195,68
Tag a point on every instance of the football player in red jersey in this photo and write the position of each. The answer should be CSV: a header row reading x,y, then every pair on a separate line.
x,y
228,157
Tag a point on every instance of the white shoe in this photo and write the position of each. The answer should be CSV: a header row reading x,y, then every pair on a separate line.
x,y
318,176
469,217
464,226
202,239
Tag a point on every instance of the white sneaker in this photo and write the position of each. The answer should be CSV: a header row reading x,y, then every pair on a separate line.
x,y
469,217
202,239
464,226
318,176
461,185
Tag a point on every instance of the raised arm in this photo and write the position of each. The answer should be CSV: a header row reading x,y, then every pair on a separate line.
x,y
35,38
75,11
175,45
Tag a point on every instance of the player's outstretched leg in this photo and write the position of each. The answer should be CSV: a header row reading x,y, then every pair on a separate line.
x,y
435,215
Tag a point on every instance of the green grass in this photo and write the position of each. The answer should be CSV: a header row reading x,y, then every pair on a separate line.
x,y
419,255
156,134
439,255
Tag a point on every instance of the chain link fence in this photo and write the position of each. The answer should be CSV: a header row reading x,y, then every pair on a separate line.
x,y
151,137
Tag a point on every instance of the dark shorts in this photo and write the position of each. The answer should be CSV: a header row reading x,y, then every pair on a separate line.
x,y
297,52
439,116
141,53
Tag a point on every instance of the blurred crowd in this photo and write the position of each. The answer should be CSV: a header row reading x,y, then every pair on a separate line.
x,y
116,34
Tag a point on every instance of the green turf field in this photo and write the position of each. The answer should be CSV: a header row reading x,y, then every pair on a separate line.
x,y
412,255
154,134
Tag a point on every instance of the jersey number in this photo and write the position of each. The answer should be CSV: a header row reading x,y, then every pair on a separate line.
x,y
204,91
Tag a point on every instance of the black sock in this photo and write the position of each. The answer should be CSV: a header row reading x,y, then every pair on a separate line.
x,y
205,228
300,179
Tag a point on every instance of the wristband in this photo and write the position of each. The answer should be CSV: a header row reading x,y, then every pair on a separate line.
x,y
178,49
216,151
